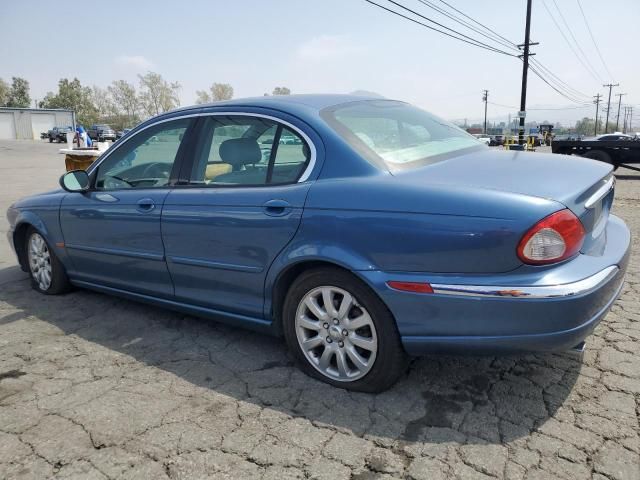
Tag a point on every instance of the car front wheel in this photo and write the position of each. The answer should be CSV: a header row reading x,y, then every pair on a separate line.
x,y
341,333
47,272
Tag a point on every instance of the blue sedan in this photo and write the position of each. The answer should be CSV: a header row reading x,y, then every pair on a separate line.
x,y
362,230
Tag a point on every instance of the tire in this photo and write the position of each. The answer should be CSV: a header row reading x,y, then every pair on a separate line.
x,y
601,156
39,256
384,356
50,140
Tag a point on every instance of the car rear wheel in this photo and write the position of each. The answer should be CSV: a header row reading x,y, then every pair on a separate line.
x,y
341,333
47,272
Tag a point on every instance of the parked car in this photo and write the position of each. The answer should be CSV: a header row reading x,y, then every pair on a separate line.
x,y
497,140
289,140
607,137
101,133
483,138
122,133
362,246
58,134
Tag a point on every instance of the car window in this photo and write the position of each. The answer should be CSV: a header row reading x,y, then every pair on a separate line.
x,y
145,160
246,150
394,135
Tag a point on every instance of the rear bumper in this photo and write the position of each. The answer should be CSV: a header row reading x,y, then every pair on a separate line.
x,y
530,309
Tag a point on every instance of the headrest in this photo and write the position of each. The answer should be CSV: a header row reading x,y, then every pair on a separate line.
x,y
240,151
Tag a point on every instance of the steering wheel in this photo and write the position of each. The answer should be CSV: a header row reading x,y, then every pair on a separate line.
x,y
115,183
156,170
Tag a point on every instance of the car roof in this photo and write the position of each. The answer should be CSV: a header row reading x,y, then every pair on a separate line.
x,y
314,102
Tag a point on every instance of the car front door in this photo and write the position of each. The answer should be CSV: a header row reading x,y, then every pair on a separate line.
x,y
112,232
242,205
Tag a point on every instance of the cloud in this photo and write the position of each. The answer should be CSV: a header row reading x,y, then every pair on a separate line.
x,y
137,62
325,47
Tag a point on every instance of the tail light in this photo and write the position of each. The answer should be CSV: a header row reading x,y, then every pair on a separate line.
x,y
553,239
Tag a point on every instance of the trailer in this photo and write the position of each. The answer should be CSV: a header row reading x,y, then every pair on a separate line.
x,y
619,153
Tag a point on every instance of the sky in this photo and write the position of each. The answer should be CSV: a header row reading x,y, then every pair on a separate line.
x,y
322,46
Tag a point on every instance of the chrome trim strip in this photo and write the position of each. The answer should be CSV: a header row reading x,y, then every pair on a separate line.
x,y
305,175
196,262
544,291
601,192
115,251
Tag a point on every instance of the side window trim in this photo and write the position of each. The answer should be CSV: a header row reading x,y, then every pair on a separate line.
x,y
306,173
187,160
180,157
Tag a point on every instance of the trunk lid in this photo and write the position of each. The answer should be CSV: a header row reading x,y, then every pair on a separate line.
x,y
570,180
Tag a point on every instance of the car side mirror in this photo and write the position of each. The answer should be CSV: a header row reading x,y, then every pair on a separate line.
x,y
75,181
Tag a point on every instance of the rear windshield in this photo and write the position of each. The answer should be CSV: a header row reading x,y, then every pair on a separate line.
x,y
396,135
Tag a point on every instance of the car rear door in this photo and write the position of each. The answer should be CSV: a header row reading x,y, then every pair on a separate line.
x,y
112,232
241,205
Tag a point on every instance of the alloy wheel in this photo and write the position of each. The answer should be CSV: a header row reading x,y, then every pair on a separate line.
x,y
39,261
336,333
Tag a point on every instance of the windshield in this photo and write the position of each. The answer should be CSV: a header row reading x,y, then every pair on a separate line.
x,y
397,134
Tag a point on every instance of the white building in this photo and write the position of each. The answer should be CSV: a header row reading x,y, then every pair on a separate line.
x,y
29,123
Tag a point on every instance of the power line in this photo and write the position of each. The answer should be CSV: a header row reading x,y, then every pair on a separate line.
x,y
477,23
594,40
471,40
479,45
503,42
564,94
575,41
569,43
559,82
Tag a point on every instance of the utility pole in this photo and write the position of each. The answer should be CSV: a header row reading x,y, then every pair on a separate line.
x,y
525,69
619,95
630,118
597,102
610,85
485,96
624,123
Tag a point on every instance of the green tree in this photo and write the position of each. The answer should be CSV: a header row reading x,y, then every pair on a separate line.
x,y
157,95
4,93
202,96
19,93
72,95
281,91
221,91
126,102
217,92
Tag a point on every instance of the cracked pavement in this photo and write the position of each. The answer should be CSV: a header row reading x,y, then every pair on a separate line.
x,y
96,387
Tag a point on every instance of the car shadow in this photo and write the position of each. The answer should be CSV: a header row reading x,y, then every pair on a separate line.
x,y
467,399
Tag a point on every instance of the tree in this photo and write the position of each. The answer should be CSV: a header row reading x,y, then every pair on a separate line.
x,y
281,91
18,95
202,96
72,95
156,94
103,102
125,101
219,91
4,93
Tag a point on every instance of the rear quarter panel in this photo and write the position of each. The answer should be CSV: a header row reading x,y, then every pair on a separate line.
x,y
375,223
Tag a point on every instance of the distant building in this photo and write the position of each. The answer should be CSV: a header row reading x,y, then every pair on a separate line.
x,y
29,123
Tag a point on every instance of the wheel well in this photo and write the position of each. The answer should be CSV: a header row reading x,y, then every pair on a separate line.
x,y
19,237
286,279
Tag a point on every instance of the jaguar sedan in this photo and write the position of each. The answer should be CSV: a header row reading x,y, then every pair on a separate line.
x,y
380,232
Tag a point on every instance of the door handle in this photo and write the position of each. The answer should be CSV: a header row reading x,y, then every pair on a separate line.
x,y
145,205
276,208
